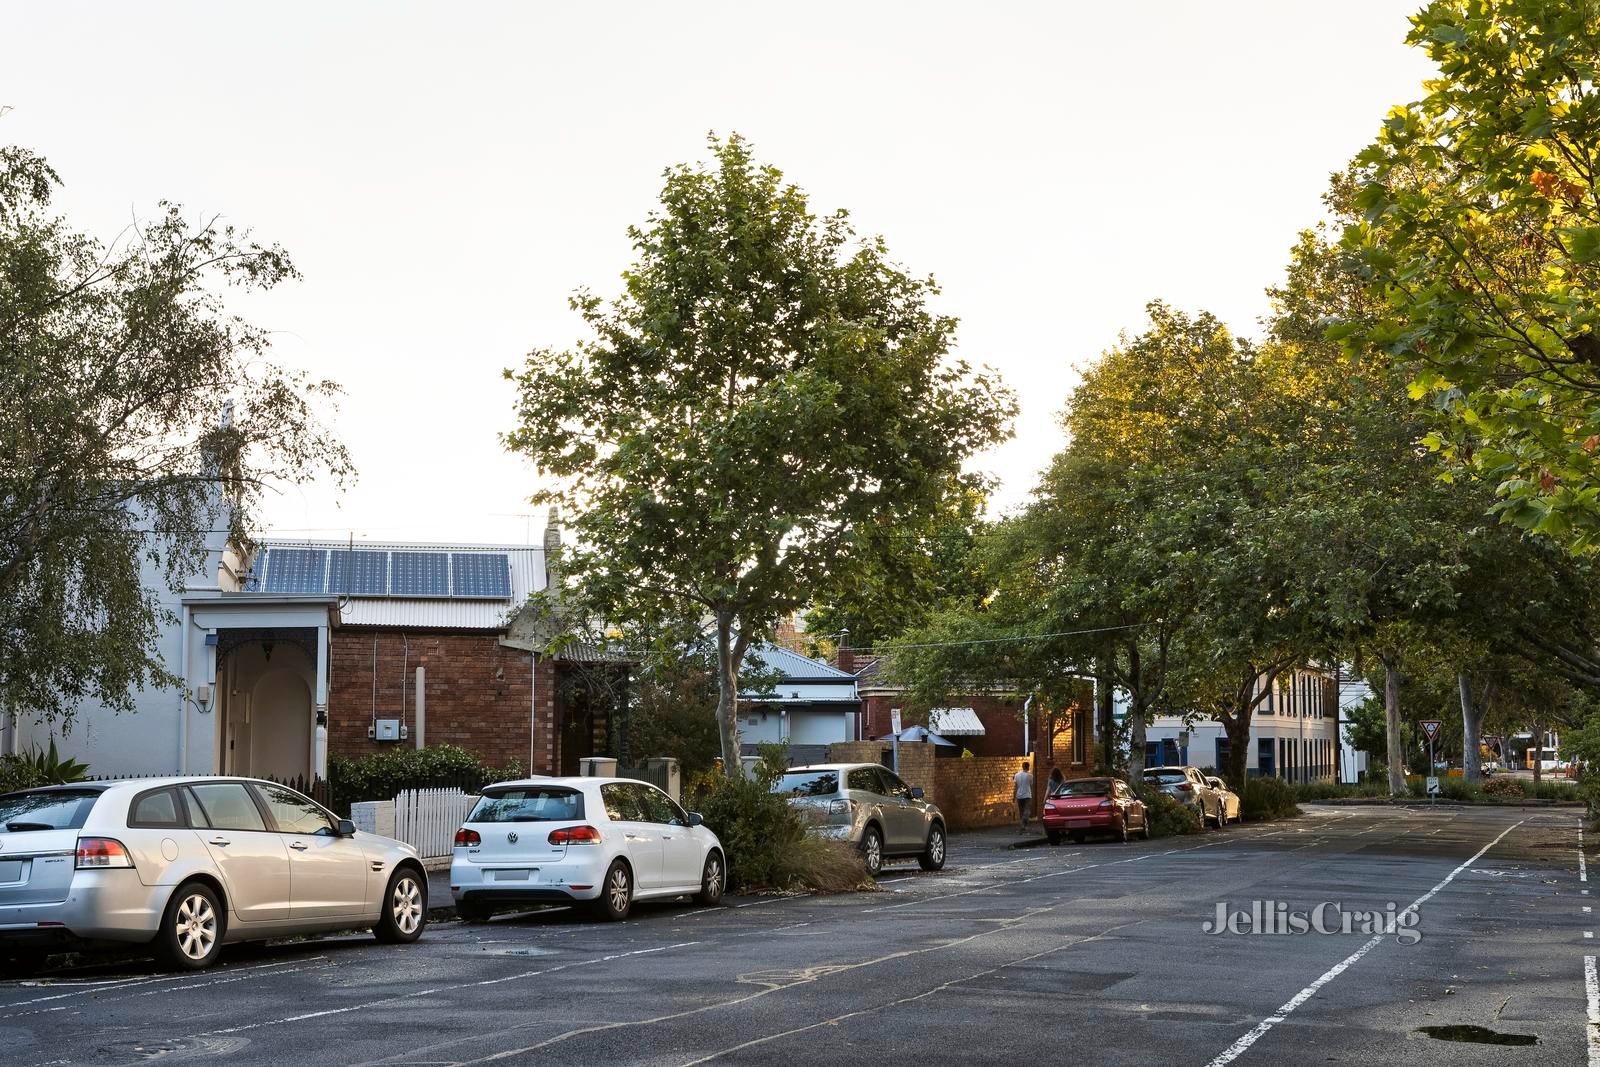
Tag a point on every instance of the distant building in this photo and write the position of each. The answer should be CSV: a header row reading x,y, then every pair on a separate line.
x,y
809,706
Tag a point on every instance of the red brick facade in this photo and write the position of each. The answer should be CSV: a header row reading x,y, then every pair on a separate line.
x,y
1001,718
478,694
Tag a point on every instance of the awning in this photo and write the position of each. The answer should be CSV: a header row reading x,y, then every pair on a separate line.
x,y
955,722
918,733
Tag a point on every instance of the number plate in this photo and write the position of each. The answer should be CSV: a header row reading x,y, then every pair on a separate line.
x,y
11,871
519,874
1075,824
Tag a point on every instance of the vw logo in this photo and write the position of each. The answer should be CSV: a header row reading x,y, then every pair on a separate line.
x,y
512,837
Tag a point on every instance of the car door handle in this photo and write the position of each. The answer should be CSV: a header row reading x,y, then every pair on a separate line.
x,y
220,841
666,837
298,846
631,837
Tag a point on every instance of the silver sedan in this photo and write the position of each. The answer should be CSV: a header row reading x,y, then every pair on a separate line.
x,y
187,865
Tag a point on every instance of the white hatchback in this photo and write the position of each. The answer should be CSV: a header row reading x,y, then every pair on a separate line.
x,y
600,842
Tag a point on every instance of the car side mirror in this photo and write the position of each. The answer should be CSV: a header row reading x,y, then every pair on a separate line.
x,y
347,828
917,793
696,819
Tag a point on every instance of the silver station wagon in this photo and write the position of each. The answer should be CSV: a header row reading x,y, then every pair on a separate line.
x,y
187,865
869,807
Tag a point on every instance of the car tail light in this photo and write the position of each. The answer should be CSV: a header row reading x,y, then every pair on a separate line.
x,y
575,835
468,837
94,852
1185,787
841,807
1049,805
1106,803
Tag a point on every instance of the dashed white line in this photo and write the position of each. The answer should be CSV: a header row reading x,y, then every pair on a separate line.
x,y
1237,1049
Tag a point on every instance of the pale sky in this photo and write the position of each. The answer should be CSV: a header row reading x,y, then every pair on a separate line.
x,y
445,174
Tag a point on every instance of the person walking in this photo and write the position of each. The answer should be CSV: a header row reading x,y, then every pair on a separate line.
x,y
1022,790
1057,779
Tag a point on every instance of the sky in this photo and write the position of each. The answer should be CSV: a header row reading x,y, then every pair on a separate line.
x,y
444,175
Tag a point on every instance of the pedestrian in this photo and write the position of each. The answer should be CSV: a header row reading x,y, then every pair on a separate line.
x,y
1057,780
1022,789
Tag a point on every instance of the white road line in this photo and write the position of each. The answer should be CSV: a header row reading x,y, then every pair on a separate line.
x,y
1237,1049
113,987
415,994
1591,986
1583,865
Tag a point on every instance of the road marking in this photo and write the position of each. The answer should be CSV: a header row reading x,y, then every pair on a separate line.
x,y
79,990
1583,865
368,1005
1237,1049
1591,986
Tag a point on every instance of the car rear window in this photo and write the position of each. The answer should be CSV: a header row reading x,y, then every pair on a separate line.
x,y
1094,787
530,804
57,809
1166,777
807,784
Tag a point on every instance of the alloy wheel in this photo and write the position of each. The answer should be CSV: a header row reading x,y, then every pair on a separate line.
x,y
936,847
617,889
713,877
874,852
196,923
406,905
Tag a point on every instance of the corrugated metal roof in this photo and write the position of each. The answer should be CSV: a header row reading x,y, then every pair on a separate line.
x,y
955,722
794,665
391,612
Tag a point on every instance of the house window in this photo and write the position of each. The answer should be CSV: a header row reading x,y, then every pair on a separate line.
x,y
1222,754
1264,764
1080,736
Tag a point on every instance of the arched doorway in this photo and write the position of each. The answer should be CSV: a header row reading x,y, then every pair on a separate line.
x,y
267,715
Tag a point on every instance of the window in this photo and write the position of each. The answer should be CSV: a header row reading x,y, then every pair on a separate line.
x,y
295,814
892,785
621,804
538,804
807,784
227,806
1084,787
652,803
51,809
863,778
157,810
1080,736
1264,764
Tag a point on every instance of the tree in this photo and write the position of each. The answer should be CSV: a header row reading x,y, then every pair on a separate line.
x,y
1477,232
117,364
767,391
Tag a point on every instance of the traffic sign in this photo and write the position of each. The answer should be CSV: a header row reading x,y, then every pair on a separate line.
x,y
894,722
1431,728
1433,787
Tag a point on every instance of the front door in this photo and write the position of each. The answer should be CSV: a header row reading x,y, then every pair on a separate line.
x,y
253,860
680,852
904,830
329,873
641,838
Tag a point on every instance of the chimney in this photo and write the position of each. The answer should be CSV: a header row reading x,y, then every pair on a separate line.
x,y
552,549
845,657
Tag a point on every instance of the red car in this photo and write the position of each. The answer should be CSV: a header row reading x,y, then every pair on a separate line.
x,y
1085,806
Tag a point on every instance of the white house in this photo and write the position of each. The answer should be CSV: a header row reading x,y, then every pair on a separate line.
x,y
811,705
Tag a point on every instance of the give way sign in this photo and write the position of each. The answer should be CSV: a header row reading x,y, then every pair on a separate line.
x,y
1431,728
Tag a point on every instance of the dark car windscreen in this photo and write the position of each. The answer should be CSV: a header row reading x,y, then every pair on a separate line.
x,y
57,809
1166,777
1094,787
807,784
531,804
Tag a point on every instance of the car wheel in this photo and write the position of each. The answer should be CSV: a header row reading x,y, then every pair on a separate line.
x,y
872,850
616,893
1122,830
405,908
1144,823
711,880
192,928
1222,816
932,858
474,913
1053,836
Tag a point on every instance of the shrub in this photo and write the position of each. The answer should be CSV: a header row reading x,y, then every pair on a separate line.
x,y
1267,798
1167,817
1504,789
17,773
381,775
766,841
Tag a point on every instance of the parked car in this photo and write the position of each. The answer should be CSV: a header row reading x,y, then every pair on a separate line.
x,y
869,807
598,842
1188,787
1081,806
190,864
1231,803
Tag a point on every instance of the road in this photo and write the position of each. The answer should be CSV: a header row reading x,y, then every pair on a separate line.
x,y
1094,953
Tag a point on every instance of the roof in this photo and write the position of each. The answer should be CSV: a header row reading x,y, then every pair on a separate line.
x,y
395,612
796,667
801,681
955,722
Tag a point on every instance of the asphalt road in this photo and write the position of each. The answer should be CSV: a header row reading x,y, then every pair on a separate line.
x,y
1093,953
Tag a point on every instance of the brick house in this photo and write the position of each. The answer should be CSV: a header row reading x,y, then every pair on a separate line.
x,y
983,722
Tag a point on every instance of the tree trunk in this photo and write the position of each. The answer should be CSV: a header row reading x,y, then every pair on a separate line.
x,y
1538,755
1105,712
1238,731
1391,708
728,696
1471,730
1135,741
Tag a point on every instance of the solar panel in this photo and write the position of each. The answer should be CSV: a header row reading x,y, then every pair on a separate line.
x,y
296,570
419,573
358,572
481,574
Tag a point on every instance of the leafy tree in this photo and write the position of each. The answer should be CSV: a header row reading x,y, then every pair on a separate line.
x,y
764,395
1477,231
117,362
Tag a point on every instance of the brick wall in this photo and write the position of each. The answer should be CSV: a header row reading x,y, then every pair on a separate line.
x,y
477,694
1001,717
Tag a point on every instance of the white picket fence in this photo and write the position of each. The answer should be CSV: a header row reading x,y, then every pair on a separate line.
x,y
427,819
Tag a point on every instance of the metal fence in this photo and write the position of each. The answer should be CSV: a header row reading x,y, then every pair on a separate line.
x,y
657,776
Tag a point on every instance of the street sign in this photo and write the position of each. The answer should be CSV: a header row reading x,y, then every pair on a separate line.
x,y
1431,728
1433,787
894,721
